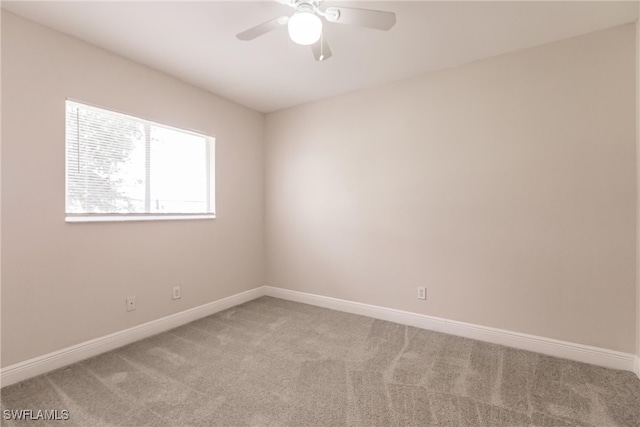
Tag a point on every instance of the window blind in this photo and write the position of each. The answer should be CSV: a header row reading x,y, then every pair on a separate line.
x,y
122,165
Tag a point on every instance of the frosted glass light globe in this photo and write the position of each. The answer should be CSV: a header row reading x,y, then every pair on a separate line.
x,y
305,28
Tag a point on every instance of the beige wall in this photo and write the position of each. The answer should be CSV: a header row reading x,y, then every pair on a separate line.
x,y
507,187
66,283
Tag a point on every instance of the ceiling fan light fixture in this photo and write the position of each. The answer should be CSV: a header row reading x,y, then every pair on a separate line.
x,y
305,27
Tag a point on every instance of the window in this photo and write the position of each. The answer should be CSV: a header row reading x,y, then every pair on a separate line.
x,y
121,167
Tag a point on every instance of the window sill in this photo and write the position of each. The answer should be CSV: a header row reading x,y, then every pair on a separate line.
x,y
127,218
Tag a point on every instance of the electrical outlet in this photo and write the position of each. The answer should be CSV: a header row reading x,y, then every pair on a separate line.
x,y
176,292
131,303
422,293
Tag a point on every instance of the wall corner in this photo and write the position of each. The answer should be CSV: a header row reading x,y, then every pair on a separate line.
x,y
637,367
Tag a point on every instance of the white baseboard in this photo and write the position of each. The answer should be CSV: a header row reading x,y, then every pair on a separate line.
x,y
57,359
549,346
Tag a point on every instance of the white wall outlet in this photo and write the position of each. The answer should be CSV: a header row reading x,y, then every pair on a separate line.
x,y
422,292
176,292
131,303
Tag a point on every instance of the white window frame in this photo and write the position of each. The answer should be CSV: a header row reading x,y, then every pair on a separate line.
x,y
120,217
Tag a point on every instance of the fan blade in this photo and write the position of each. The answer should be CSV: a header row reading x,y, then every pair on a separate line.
x,y
263,28
321,49
363,17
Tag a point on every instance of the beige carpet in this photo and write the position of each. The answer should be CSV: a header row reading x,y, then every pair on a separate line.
x,y
275,362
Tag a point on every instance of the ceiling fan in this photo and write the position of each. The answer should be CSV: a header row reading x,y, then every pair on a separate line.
x,y
305,25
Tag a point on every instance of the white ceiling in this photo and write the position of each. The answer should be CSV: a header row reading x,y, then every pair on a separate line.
x,y
195,41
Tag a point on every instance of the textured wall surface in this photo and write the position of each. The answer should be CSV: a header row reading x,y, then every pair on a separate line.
x,y
506,186
63,284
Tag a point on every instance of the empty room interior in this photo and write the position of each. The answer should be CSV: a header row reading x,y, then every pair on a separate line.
x,y
310,213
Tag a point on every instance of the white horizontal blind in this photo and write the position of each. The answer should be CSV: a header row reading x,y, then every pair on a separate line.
x,y
121,165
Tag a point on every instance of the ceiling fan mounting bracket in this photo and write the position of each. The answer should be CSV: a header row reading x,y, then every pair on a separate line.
x,y
306,5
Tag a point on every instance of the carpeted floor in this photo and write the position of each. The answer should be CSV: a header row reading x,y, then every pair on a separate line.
x,y
275,362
